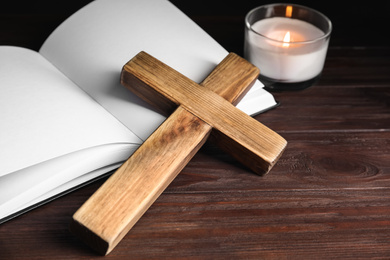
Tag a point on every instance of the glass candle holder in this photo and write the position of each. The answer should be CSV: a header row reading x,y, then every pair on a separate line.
x,y
288,43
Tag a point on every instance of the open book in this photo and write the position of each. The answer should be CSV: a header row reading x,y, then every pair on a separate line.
x,y
65,118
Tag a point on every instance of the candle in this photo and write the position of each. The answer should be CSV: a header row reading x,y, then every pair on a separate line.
x,y
282,56
286,49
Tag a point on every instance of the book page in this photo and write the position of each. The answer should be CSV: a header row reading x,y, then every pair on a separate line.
x,y
28,186
92,46
44,115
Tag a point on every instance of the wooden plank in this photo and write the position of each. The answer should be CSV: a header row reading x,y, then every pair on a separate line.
x,y
331,108
328,162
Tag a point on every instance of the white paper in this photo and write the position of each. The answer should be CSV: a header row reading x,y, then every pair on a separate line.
x,y
40,179
44,115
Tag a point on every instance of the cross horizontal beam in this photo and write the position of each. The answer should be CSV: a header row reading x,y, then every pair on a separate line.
x,y
245,138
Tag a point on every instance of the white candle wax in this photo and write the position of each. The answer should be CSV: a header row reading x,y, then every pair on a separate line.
x,y
293,60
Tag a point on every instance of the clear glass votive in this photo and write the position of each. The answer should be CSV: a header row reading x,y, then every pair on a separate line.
x,y
288,43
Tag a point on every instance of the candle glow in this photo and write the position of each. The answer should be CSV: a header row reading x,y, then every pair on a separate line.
x,y
286,39
289,10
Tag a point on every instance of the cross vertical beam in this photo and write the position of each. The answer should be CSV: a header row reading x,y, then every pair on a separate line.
x,y
112,211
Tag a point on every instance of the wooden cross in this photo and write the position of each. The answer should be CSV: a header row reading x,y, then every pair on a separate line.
x,y
198,110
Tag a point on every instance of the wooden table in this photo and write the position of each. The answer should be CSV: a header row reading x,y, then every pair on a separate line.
x,y
328,197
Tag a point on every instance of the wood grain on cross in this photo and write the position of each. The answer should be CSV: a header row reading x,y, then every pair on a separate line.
x,y
198,110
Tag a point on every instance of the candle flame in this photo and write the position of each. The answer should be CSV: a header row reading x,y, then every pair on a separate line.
x,y
286,39
289,10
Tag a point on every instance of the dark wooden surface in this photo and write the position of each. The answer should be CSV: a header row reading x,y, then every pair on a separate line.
x,y
327,198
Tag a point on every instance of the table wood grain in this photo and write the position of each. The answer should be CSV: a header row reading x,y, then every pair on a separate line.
x,y
327,198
